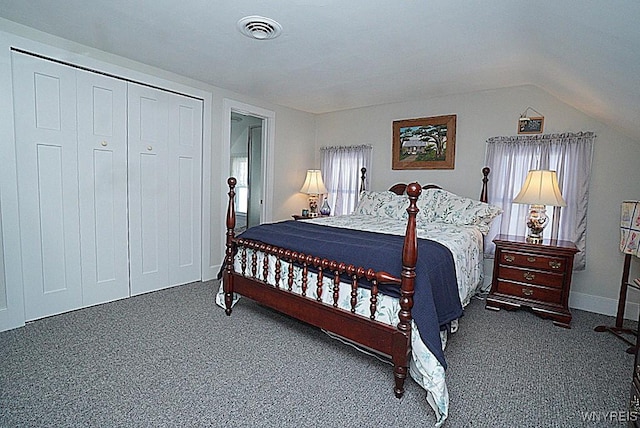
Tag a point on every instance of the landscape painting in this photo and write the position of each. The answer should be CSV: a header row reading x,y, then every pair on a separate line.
x,y
424,143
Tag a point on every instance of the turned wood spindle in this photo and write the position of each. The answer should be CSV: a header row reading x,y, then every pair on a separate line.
x,y
290,275
265,262
278,268
254,263
243,260
374,298
354,293
305,279
230,248
319,287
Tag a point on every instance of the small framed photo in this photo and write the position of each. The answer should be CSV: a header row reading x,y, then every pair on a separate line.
x,y
533,125
424,143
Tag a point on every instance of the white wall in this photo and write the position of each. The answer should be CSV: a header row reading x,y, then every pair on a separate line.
x,y
299,135
481,115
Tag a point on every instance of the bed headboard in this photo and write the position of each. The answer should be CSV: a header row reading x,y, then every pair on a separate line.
x,y
400,188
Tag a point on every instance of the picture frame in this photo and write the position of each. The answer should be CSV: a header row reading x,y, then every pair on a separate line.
x,y
424,143
533,125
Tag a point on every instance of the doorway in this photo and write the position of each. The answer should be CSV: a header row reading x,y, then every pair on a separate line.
x,y
246,165
263,181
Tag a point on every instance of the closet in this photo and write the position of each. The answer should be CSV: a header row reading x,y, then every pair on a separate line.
x,y
109,186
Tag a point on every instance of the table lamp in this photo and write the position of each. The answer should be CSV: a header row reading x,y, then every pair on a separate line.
x,y
539,190
313,186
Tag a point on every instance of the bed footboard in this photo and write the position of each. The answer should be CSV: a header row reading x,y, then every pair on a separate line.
x,y
314,304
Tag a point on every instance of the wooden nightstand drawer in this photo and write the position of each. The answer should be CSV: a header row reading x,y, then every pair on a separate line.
x,y
530,276
530,292
533,261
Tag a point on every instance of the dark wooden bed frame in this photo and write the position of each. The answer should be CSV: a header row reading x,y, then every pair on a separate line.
x,y
394,342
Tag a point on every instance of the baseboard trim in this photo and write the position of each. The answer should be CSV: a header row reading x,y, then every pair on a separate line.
x,y
602,305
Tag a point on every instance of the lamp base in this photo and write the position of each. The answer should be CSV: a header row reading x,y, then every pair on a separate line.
x,y
536,223
534,239
313,205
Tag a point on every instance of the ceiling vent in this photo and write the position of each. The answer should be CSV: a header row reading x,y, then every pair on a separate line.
x,y
259,27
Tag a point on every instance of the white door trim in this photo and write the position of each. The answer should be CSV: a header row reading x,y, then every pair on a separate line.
x,y
268,139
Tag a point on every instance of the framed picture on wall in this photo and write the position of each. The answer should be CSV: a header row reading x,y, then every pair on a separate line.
x,y
530,125
424,143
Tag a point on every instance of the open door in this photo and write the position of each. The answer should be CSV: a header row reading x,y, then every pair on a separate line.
x,y
246,166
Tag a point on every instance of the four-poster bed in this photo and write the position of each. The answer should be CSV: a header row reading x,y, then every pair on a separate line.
x,y
326,274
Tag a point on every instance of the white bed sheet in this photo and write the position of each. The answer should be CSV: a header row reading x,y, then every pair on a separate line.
x,y
465,244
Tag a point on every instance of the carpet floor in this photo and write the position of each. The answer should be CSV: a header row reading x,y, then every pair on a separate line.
x,y
172,358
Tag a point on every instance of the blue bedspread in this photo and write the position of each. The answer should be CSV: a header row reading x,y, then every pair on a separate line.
x,y
436,298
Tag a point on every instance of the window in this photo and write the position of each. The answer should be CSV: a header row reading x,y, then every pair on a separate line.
x,y
340,168
510,158
240,170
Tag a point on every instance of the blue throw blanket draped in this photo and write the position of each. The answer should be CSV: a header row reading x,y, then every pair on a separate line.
x,y
436,299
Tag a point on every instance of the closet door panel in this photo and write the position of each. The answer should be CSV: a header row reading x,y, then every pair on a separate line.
x,y
185,172
148,188
47,165
102,163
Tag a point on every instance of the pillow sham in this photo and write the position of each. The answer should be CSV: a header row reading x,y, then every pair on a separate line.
x,y
435,205
442,206
381,204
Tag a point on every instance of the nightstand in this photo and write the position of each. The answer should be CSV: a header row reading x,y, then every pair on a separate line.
x,y
305,217
537,276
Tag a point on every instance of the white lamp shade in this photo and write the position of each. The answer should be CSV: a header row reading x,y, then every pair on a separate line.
x,y
313,184
541,188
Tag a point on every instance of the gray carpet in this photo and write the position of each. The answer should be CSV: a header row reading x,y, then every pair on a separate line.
x,y
172,358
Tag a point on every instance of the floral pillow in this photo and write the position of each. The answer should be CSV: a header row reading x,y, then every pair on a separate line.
x,y
435,205
441,206
381,204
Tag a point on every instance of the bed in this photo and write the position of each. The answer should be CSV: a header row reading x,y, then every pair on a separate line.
x,y
393,277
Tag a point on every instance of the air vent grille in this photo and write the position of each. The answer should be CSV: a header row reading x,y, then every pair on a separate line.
x,y
259,27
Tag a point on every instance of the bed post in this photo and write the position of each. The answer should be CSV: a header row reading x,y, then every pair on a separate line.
x,y
228,260
409,258
363,171
484,194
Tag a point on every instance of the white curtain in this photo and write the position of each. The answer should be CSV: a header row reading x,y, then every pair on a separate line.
x,y
340,168
569,154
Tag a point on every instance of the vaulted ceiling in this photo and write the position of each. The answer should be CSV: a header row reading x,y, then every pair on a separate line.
x,y
340,54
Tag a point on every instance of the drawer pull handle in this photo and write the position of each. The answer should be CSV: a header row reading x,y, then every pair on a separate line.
x,y
531,259
527,292
509,258
529,276
555,264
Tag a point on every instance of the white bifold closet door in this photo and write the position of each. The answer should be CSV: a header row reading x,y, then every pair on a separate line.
x,y
165,146
185,189
148,188
47,165
109,186
102,179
